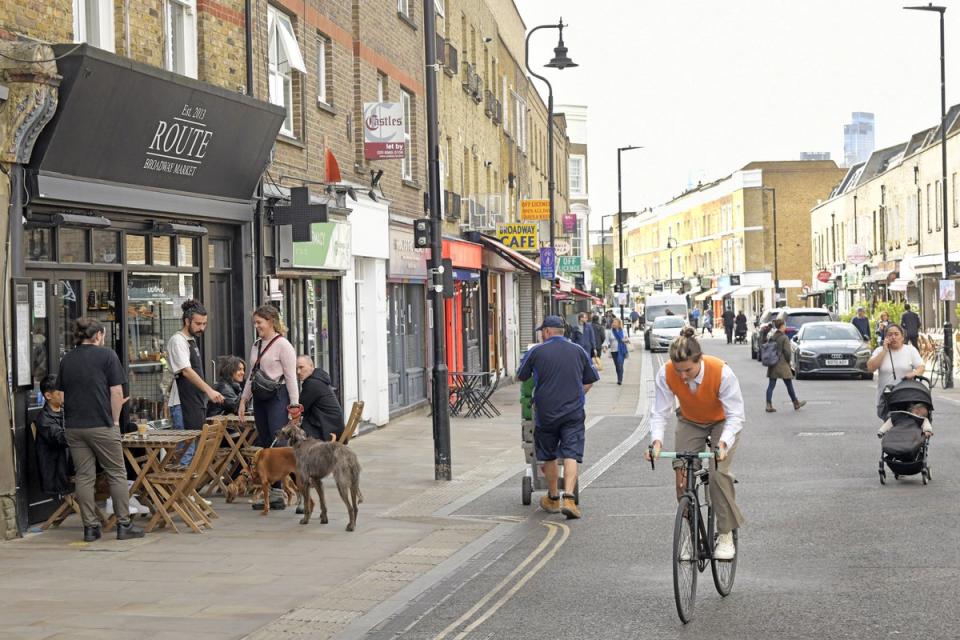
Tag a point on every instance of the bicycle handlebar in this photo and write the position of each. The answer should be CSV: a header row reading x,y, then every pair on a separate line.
x,y
703,455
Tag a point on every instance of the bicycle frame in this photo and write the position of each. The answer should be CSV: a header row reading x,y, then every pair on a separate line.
x,y
694,480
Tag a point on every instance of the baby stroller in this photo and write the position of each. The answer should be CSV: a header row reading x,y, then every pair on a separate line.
x,y
903,448
740,335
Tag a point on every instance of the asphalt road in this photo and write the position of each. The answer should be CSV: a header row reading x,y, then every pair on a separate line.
x,y
826,553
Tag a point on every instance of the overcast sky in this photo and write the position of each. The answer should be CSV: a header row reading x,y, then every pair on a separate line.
x,y
708,86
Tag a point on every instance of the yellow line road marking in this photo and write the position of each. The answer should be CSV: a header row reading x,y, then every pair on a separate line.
x,y
551,533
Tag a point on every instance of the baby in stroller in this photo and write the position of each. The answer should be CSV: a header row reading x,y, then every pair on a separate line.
x,y
905,433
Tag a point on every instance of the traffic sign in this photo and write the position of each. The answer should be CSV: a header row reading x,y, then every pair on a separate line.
x,y
547,264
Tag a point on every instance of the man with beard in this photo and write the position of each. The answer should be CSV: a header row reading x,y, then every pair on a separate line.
x,y
189,392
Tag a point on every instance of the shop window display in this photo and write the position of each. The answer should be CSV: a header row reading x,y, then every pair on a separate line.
x,y
73,245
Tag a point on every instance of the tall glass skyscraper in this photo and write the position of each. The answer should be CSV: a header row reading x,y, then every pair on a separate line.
x,y
858,138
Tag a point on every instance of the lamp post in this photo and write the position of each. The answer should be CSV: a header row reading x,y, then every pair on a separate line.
x,y
776,263
603,249
672,245
560,61
442,461
947,326
620,282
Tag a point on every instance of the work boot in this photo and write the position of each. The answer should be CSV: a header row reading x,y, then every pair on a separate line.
x,y
550,504
129,531
798,403
770,408
570,508
91,533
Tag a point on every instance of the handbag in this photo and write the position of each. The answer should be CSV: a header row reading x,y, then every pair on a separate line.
x,y
264,387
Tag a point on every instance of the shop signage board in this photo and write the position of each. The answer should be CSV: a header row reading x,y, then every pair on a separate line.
x,y
383,131
856,254
405,259
520,236
948,290
329,247
534,209
547,264
158,130
569,222
569,264
562,247
824,276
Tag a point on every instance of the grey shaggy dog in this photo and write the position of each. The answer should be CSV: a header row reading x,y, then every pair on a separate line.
x,y
316,460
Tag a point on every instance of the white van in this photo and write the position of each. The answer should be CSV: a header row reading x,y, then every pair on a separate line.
x,y
657,305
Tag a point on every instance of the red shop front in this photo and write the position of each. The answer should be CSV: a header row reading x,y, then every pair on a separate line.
x,y
464,329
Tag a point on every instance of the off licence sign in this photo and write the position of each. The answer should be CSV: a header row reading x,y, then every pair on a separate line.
x,y
519,236
534,209
568,264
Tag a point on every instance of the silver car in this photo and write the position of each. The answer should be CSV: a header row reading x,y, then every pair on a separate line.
x,y
830,348
664,330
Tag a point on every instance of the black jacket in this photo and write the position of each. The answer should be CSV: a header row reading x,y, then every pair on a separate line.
x,y
231,398
728,319
910,322
599,337
741,322
53,453
322,414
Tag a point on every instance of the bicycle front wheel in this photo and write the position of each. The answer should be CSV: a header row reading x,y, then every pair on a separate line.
x,y
935,370
724,571
685,546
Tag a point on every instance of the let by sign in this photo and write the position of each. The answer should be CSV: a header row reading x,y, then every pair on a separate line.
x,y
534,209
383,131
519,236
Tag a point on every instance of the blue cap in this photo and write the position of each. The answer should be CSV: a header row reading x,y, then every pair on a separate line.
x,y
552,322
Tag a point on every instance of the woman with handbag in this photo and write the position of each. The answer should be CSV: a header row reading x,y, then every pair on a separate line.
x,y
272,383
618,347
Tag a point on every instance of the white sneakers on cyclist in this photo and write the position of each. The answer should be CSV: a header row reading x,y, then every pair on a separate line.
x,y
686,554
724,549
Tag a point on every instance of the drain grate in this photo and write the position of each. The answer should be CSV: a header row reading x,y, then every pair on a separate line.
x,y
820,434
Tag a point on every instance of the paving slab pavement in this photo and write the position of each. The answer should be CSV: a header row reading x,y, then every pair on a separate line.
x,y
268,577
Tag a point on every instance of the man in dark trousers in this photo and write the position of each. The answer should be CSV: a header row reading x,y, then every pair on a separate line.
x,y
322,414
563,374
910,322
862,323
728,321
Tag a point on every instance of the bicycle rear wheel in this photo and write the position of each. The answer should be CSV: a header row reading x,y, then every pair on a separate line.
x,y
685,547
935,370
724,571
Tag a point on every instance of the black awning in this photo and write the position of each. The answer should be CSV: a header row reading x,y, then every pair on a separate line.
x,y
123,122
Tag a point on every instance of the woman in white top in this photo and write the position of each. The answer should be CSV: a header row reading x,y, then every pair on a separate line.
x,y
893,360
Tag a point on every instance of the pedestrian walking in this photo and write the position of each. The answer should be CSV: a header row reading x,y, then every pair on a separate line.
x,y
635,319
711,405
583,334
893,360
272,385
91,379
618,348
910,322
740,326
728,322
599,338
862,323
779,344
563,374
231,375
707,322
322,413
882,325
189,392
695,317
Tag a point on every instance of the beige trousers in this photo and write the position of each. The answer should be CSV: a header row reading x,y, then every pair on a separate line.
x,y
89,446
692,437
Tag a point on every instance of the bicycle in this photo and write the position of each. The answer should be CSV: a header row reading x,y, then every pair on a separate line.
x,y
939,367
690,533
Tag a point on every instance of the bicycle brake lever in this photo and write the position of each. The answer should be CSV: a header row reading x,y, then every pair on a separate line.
x,y
650,449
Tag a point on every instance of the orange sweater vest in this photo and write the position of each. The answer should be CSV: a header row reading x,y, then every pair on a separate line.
x,y
704,406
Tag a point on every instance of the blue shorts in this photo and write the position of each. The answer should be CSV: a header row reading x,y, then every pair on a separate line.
x,y
562,438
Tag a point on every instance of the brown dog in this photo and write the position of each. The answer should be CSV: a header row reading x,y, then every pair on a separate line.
x,y
242,485
272,465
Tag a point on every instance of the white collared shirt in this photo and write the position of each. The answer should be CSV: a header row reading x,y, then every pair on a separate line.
x,y
729,395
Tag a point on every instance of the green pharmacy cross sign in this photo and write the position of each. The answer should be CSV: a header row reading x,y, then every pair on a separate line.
x,y
568,264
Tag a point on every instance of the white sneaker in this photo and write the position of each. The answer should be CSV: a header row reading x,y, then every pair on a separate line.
x,y
686,554
724,549
137,507
131,509
192,499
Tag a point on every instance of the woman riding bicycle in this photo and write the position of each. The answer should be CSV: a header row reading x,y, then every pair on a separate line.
x,y
711,405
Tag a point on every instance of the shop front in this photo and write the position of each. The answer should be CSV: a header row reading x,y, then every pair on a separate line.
x,y
463,310
407,333
136,204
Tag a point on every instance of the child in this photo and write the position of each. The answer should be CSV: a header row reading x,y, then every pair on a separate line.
x,y
919,410
53,454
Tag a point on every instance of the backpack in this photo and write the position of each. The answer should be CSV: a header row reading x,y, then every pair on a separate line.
x,y
770,354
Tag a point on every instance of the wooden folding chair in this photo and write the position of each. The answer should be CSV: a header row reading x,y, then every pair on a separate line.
x,y
178,489
68,506
353,421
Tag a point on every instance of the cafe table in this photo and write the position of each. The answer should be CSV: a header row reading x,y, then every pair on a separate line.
x,y
154,452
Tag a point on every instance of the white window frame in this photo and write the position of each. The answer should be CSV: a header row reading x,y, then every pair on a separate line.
x,y
187,48
403,7
406,164
105,37
578,187
521,122
322,43
506,106
281,39
381,85
438,6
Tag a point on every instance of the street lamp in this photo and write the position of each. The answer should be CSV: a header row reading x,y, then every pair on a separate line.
x,y
603,251
560,61
621,280
776,263
947,326
672,245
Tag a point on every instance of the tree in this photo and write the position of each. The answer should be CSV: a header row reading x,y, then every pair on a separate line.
x,y
602,274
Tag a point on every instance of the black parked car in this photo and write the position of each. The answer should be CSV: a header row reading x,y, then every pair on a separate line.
x,y
795,318
830,348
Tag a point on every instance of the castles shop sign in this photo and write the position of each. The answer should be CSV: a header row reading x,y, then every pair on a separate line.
x,y
383,131
157,130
